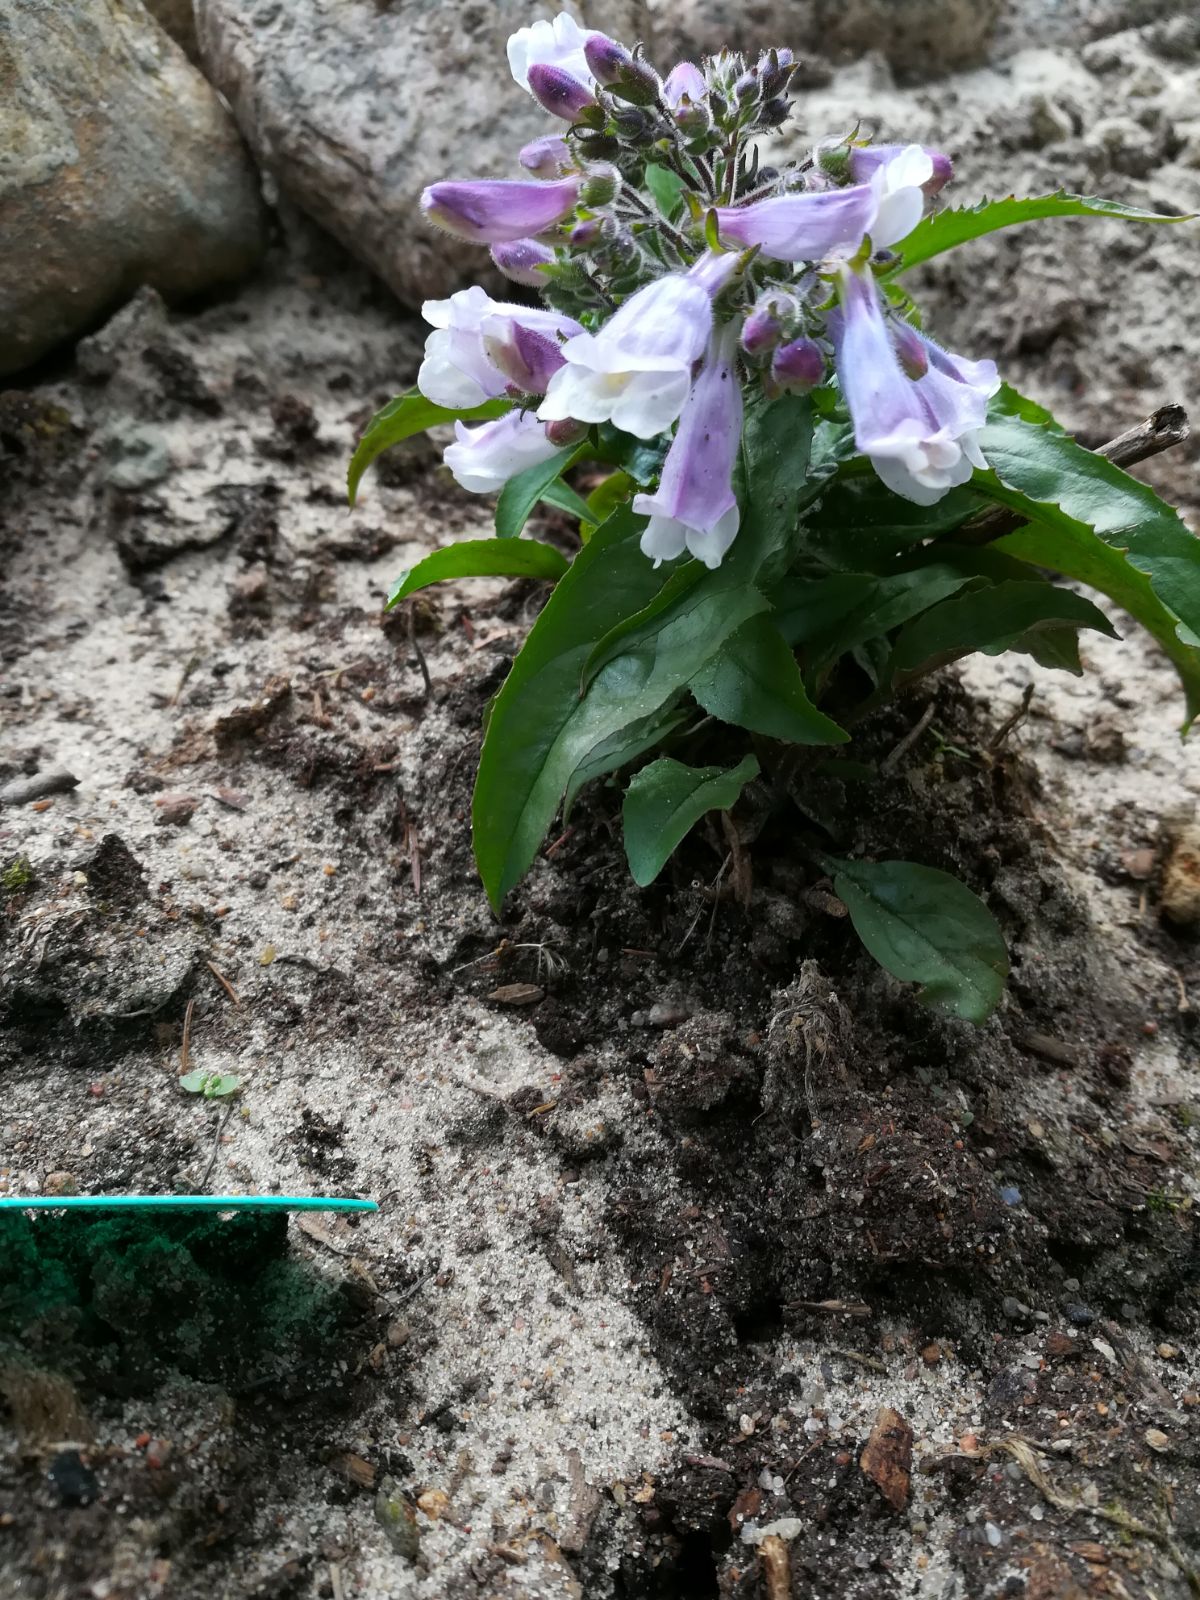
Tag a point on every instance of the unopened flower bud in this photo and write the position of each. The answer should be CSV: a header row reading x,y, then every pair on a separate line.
x,y
910,348
559,93
566,432
601,186
773,113
606,59
748,88
634,124
763,327
496,210
636,82
718,105
684,82
798,366
521,259
585,233
595,146
546,158
775,69
692,118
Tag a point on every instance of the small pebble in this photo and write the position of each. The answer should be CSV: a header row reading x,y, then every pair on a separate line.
x,y
1078,1314
76,1483
994,1537
1011,1195
1157,1439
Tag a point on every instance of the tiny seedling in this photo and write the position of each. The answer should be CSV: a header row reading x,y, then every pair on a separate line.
x,y
212,1085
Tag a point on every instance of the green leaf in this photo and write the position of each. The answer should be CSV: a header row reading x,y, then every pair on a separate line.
x,y
665,801
541,730
402,417
946,229
520,494
480,558
212,1085
991,620
1091,521
640,458
624,747
829,616
923,926
666,186
563,498
754,683
604,499
860,519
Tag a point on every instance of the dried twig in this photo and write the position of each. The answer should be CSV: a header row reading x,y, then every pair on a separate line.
x,y
1162,429
185,1042
225,984
894,757
1012,720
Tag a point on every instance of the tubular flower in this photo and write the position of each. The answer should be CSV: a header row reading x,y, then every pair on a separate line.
x,y
637,370
694,507
920,434
898,186
496,210
461,370
547,157
552,44
483,459
802,227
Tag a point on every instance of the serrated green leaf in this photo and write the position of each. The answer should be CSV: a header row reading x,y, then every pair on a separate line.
x,y
753,682
1091,521
665,801
990,620
480,558
402,417
944,230
923,926
520,494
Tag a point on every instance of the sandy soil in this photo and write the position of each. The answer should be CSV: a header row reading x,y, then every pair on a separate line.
x,y
656,1245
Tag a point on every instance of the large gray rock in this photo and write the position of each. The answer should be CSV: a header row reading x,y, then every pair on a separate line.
x,y
918,38
354,107
118,167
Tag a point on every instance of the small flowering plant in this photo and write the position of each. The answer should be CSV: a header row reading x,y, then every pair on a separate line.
x,y
800,502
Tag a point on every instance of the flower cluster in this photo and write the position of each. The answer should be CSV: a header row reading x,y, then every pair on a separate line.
x,y
677,273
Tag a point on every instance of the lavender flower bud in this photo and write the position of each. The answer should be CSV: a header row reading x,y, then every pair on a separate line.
x,y
497,210
775,68
548,157
559,93
910,348
693,119
606,59
566,432
798,366
763,327
520,260
773,113
600,186
747,89
585,233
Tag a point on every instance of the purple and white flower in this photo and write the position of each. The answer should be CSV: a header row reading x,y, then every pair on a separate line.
x,y
551,44
920,434
694,507
636,371
802,227
865,160
484,458
898,184
496,210
478,343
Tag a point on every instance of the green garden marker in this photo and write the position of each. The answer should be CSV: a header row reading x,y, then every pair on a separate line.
x,y
181,1202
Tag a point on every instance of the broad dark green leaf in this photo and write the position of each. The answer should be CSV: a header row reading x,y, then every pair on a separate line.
x,y
1083,512
923,926
402,417
774,473
829,616
542,729
642,459
754,683
946,229
665,801
520,494
991,620
667,188
604,499
626,746
859,520
479,558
